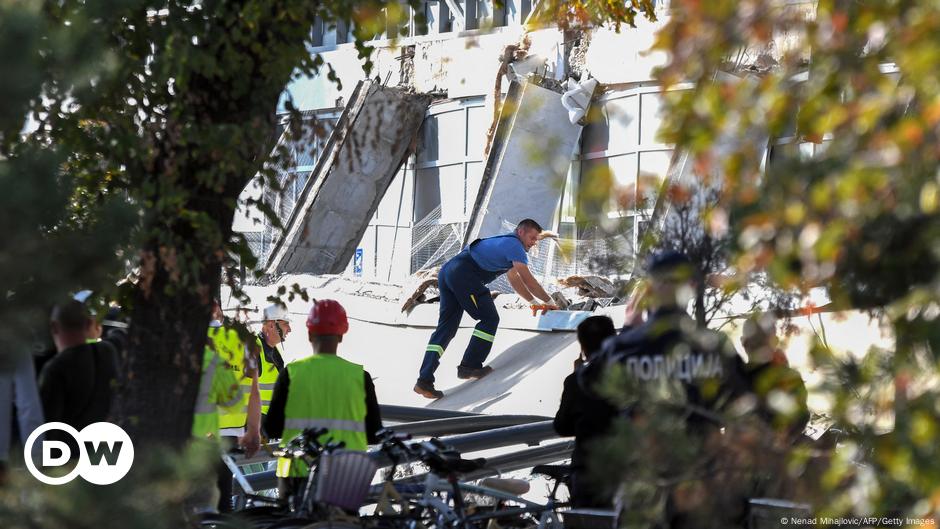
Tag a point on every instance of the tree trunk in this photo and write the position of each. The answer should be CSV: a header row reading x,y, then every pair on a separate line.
x,y
215,140
161,369
160,372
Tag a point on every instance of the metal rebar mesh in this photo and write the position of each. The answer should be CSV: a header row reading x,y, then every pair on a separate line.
x,y
434,243
597,253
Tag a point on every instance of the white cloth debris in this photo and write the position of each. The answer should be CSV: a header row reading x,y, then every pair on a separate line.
x,y
577,99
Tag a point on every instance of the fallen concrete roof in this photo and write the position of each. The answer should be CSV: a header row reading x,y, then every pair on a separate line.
x,y
379,303
530,365
363,155
527,164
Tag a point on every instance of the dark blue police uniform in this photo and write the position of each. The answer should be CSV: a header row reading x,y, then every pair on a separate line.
x,y
462,283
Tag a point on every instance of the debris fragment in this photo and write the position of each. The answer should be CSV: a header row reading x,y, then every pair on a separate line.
x,y
590,286
417,285
560,300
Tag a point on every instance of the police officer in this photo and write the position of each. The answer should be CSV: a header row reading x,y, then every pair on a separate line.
x,y
322,391
462,283
681,383
668,348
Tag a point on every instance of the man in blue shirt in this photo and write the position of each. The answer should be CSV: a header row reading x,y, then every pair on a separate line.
x,y
462,282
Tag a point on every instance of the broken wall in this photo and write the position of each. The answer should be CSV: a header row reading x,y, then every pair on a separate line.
x,y
528,162
449,64
363,157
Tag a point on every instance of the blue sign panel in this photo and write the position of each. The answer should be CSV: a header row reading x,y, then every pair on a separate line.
x,y
357,263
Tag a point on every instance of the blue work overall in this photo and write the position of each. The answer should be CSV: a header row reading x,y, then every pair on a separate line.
x,y
462,284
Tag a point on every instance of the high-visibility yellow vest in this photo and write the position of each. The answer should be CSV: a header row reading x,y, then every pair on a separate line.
x,y
266,379
325,391
217,386
232,350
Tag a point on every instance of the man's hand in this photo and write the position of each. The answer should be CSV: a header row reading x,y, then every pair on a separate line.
x,y
543,307
636,306
250,442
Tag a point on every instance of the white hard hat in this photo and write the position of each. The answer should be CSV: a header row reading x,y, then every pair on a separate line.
x,y
276,311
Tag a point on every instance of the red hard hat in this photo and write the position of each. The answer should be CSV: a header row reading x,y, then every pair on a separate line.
x,y
327,317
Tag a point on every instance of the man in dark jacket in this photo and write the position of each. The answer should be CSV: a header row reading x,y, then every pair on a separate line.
x,y
75,386
584,416
679,383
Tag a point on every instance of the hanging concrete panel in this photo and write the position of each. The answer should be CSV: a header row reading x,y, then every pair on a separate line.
x,y
527,162
363,155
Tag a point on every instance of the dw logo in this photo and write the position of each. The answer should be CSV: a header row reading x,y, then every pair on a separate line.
x,y
105,453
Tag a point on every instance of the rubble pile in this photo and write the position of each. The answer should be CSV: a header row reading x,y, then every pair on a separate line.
x,y
578,292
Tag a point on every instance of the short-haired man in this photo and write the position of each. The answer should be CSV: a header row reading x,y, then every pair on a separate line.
x,y
584,416
462,283
322,391
75,386
772,379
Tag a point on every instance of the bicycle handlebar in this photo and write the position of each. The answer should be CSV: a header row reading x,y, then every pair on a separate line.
x,y
307,443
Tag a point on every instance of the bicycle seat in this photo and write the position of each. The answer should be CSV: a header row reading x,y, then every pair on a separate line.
x,y
443,459
450,464
511,486
556,472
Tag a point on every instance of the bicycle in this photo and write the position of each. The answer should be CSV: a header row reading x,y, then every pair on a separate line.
x,y
264,512
440,502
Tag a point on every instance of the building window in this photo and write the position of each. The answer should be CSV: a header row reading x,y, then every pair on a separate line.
x,y
448,172
450,160
304,154
620,152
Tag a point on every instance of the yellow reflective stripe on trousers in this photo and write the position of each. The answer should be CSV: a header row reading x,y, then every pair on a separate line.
x,y
474,300
483,335
436,348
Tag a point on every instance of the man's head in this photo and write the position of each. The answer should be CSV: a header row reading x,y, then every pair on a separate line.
x,y
528,232
275,326
592,332
671,279
326,325
70,324
759,338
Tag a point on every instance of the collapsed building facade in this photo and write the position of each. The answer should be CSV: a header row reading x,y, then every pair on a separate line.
x,y
476,129
463,127
459,133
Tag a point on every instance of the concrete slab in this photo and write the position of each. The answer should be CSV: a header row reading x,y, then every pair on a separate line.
x,y
363,155
527,163
530,365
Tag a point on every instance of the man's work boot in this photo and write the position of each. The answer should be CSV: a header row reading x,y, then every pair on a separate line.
x,y
464,372
426,389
